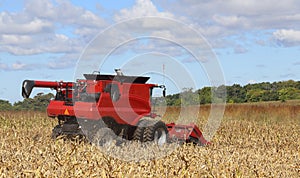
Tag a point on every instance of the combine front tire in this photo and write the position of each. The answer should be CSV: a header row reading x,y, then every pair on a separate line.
x,y
157,132
149,130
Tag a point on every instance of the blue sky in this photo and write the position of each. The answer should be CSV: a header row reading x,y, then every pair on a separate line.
x,y
254,40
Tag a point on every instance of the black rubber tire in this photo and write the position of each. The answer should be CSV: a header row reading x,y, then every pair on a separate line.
x,y
138,134
112,124
56,131
149,130
70,127
156,132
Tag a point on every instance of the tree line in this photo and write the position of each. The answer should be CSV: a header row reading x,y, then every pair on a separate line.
x,y
37,103
266,91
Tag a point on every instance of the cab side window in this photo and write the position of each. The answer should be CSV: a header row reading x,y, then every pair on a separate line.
x,y
114,91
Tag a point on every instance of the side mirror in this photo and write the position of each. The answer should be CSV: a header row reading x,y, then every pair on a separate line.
x,y
164,92
27,87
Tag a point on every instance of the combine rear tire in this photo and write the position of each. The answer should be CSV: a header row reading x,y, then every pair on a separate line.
x,y
138,134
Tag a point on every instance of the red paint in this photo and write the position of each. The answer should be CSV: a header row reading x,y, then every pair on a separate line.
x,y
184,132
93,98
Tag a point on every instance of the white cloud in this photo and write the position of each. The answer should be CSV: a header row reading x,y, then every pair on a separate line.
x,y
18,66
252,81
21,23
15,39
65,61
18,50
63,12
41,28
142,8
229,21
28,45
239,49
217,19
49,26
60,43
287,37
249,8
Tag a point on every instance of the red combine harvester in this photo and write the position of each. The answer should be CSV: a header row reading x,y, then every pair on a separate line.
x,y
120,103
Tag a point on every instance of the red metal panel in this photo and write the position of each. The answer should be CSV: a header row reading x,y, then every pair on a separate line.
x,y
184,132
50,84
86,110
57,108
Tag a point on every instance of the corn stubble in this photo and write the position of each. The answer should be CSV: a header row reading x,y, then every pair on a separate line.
x,y
254,140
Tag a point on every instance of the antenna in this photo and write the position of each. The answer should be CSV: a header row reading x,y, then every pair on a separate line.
x,y
163,68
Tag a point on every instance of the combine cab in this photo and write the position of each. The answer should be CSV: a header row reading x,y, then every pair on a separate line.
x,y
117,103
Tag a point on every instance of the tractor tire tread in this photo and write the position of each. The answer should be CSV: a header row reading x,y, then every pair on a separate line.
x,y
141,126
150,131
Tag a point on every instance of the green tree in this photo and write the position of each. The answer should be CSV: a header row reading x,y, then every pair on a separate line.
x,y
173,100
289,93
205,95
236,94
270,95
265,91
188,97
219,94
255,95
37,103
5,105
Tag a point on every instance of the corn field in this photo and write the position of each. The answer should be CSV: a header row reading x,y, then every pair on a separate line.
x,y
254,140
